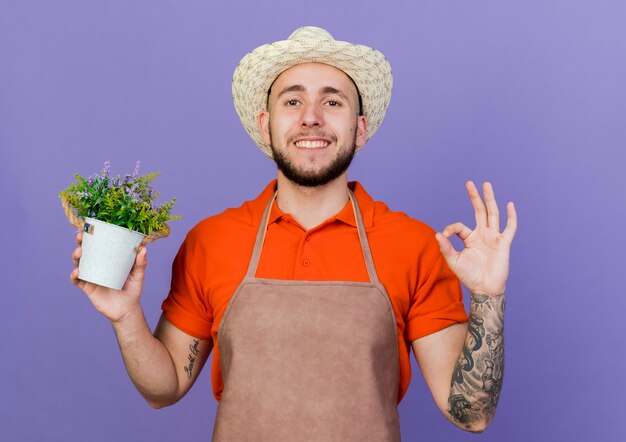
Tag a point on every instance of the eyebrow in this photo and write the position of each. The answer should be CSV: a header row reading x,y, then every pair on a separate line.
x,y
332,90
294,88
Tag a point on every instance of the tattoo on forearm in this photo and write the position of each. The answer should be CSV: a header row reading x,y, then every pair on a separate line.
x,y
477,377
191,357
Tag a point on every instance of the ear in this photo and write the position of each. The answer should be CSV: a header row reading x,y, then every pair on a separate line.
x,y
361,131
264,125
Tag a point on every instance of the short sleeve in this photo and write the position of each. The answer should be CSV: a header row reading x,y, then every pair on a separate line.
x,y
186,305
437,303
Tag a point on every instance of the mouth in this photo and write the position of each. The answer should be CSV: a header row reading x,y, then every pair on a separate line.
x,y
312,144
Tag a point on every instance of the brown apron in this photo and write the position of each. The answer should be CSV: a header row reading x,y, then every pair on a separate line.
x,y
308,360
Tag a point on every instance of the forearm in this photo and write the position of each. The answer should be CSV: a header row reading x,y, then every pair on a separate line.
x,y
477,377
147,361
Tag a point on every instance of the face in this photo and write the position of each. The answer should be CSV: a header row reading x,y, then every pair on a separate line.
x,y
312,123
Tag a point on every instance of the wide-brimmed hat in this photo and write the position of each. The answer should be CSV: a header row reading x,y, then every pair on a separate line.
x,y
368,68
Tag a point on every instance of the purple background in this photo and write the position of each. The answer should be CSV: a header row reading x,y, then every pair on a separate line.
x,y
530,95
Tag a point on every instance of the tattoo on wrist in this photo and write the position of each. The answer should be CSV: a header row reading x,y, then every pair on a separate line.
x,y
191,357
477,377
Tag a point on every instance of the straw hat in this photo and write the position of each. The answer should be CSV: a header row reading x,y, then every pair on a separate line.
x,y
368,68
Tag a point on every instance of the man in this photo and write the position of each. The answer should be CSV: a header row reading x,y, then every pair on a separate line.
x,y
310,294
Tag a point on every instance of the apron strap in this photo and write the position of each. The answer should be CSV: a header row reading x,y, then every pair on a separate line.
x,y
365,247
260,239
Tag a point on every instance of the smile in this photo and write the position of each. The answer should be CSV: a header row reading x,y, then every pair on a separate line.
x,y
309,144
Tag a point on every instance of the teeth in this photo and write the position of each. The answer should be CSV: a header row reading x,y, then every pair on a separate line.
x,y
311,144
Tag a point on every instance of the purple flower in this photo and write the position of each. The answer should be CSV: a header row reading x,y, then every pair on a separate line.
x,y
136,171
107,168
114,182
132,192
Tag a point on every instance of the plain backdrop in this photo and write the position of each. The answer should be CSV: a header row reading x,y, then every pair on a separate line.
x,y
529,95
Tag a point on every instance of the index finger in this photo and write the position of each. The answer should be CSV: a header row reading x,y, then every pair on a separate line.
x,y
79,237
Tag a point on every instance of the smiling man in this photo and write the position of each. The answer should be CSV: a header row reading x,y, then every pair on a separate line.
x,y
311,295
327,132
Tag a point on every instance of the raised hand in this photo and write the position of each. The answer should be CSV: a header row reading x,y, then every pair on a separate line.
x,y
483,265
114,304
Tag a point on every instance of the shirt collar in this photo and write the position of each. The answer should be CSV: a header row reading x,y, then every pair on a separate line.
x,y
345,215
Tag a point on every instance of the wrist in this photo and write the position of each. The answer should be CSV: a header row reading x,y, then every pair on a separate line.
x,y
483,303
130,319
480,293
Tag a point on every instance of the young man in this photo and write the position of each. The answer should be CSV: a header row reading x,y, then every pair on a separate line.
x,y
310,294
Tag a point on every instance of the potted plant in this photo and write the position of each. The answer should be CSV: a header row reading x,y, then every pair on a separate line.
x,y
118,216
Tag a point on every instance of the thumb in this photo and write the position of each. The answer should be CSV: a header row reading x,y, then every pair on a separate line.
x,y
446,248
139,268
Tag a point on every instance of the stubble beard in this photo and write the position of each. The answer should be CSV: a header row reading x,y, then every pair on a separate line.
x,y
314,178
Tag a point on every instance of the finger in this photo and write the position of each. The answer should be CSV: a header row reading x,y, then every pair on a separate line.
x,y
479,207
459,229
447,250
79,238
511,222
141,260
78,251
493,213
74,279
139,267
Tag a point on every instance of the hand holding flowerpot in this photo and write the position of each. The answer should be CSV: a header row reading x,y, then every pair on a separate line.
x,y
115,305
118,215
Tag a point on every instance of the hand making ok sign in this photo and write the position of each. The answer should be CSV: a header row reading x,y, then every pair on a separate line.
x,y
483,265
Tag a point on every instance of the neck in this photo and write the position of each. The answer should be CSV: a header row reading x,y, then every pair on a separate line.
x,y
310,206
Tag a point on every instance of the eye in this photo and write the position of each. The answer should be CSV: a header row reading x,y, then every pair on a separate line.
x,y
292,102
333,103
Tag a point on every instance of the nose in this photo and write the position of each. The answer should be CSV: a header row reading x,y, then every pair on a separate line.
x,y
311,116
